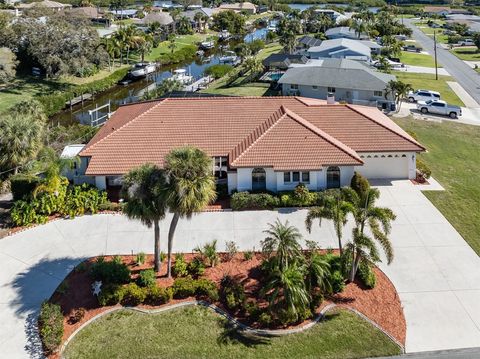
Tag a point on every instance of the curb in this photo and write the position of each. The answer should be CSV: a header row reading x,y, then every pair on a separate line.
x,y
237,324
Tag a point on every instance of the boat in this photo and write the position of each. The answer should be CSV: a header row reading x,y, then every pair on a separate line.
x,y
228,57
207,45
224,35
142,69
181,76
200,53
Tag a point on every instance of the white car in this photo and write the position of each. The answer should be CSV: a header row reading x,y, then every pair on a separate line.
x,y
423,95
466,42
439,107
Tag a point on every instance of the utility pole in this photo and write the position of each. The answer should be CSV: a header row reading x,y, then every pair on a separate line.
x,y
435,52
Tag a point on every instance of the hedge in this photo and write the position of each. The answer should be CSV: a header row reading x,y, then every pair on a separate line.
x,y
50,323
22,185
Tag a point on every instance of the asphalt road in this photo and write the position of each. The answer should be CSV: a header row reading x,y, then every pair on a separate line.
x,y
473,353
465,76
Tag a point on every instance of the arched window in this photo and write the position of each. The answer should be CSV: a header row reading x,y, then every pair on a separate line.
x,y
333,177
259,179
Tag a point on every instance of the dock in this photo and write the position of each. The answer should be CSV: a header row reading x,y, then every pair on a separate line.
x,y
200,84
79,99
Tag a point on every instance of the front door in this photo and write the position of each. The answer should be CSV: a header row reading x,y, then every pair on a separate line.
x,y
259,180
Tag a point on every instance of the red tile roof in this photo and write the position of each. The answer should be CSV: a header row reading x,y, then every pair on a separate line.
x,y
279,132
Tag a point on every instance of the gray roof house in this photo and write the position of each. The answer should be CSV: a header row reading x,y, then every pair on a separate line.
x,y
344,32
341,49
283,61
345,80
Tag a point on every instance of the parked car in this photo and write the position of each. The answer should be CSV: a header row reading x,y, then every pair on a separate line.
x,y
423,95
466,42
412,48
439,107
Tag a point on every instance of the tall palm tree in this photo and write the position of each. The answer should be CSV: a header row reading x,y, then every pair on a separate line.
x,y
332,207
317,270
171,43
190,186
398,90
198,18
359,26
143,189
378,222
283,240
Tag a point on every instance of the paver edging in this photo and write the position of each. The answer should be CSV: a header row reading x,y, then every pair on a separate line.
x,y
231,319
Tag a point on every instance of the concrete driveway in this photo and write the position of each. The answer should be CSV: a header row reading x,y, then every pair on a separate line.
x,y
435,272
470,116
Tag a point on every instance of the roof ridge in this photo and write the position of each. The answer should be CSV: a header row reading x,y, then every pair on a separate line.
x,y
253,137
332,140
124,125
408,138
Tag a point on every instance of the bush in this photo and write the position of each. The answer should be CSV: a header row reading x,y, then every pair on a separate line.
x,y
231,249
196,267
233,293
133,294
110,272
140,259
23,185
366,274
337,281
247,255
111,206
423,170
265,319
299,198
209,253
189,287
50,323
253,310
245,200
110,294
24,214
147,278
218,71
359,183
158,295
180,267
77,316
207,288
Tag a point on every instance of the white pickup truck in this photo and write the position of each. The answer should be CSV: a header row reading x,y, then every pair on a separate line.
x,y
439,107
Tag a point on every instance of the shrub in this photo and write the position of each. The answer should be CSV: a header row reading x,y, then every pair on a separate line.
x,y
265,319
133,294
337,281
50,323
253,310
359,183
110,295
184,287
219,70
140,259
23,185
231,248
208,288
247,255
366,274
299,199
180,267
111,206
110,272
158,295
245,200
423,170
24,213
147,278
77,316
196,267
233,293
209,253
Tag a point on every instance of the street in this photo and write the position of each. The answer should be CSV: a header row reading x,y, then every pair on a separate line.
x,y
473,353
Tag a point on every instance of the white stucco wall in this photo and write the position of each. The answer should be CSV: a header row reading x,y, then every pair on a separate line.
x,y
387,165
101,182
231,181
244,179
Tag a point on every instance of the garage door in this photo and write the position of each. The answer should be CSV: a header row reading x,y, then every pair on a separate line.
x,y
384,167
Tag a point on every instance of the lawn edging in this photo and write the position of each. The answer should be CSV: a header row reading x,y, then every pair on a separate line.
x,y
237,324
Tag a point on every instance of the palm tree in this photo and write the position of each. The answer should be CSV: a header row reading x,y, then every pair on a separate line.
x,y
171,43
282,239
144,45
288,40
333,207
377,220
359,26
143,189
198,18
317,270
190,186
398,90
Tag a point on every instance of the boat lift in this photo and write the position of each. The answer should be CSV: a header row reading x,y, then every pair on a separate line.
x,y
95,120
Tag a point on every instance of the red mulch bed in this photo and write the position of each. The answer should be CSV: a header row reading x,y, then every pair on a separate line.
x,y
380,304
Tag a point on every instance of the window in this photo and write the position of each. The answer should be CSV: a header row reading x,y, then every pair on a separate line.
x,y
333,177
315,87
331,89
438,104
286,177
305,177
296,176
294,86
220,167
378,93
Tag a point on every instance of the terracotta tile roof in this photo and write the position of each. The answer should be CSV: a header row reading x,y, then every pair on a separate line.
x,y
286,132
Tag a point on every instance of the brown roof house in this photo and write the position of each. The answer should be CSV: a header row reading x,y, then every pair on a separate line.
x,y
256,143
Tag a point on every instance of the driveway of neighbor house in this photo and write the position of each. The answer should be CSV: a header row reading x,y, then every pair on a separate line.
x,y
435,272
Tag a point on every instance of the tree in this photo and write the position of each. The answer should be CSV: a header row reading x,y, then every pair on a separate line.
x,y
143,190
198,18
398,90
317,272
171,43
229,20
190,186
332,207
288,41
8,63
282,240
184,27
476,40
378,222
144,45
359,26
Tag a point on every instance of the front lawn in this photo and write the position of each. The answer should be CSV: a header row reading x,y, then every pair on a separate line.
x,y
248,89
453,156
181,41
197,332
428,82
467,53
417,59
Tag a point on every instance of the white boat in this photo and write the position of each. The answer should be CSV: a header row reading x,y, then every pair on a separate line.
x,y
142,69
181,75
224,35
207,45
229,56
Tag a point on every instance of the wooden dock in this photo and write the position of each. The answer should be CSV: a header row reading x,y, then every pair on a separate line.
x,y
200,84
79,99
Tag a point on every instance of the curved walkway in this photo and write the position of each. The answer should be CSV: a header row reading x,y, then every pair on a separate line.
x,y
435,272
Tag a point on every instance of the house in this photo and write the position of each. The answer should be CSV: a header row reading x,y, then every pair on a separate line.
x,y
436,10
345,80
344,32
283,61
160,17
53,5
239,7
256,143
305,42
71,152
205,11
332,14
340,49
88,12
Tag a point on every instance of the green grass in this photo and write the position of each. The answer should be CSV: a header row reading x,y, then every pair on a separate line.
x,y
467,53
422,25
416,59
180,42
453,156
197,332
428,82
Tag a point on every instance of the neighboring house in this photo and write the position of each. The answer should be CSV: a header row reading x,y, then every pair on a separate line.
x,y
53,5
444,11
257,143
345,80
161,17
88,12
332,14
344,32
283,61
205,11
124,14
375,48
305,42
341,49
472,21
79,167
239,7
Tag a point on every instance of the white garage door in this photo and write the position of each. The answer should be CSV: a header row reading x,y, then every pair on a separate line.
x,y
384,167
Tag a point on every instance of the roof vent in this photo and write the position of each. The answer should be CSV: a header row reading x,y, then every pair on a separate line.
x,y
330,98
